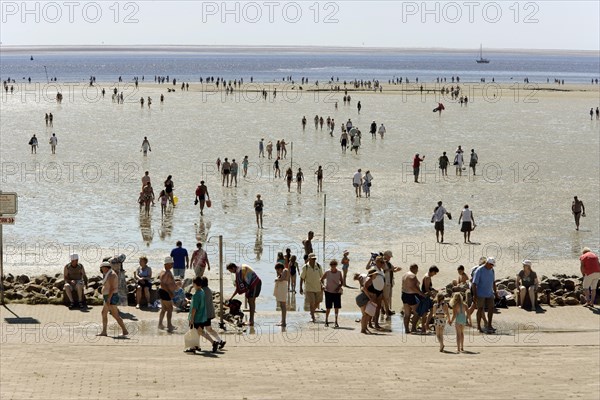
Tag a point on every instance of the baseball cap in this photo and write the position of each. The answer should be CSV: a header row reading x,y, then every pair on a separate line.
x,y
168,260
526,262
388,253
312,255
491,260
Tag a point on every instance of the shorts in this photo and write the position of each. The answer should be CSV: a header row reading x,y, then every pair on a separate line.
x,y
410,299
345,267
255,291
439,322
355,185
179,272
333,300
344,143
416,171
202,324
487,301
144,283
225,172
164,295
114,300
313,297
472,164
466,227
590,280
439,226
362,299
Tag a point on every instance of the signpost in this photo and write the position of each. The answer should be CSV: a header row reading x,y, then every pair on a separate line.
x,y
8,209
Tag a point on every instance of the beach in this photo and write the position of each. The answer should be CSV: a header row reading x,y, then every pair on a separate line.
x,y
536,151
548,356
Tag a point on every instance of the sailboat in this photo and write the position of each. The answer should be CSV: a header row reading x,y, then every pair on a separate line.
x,y
482,60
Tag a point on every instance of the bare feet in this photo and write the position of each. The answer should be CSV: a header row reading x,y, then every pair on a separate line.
x,y
102,334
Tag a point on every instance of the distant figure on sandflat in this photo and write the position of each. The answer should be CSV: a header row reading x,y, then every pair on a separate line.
x,y
578,210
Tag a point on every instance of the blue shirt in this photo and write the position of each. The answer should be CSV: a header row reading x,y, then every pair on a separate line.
x,y
484,279
179,254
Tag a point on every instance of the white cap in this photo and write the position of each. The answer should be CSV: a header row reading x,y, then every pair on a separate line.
x,y
491,260
168,260
74,256
526,262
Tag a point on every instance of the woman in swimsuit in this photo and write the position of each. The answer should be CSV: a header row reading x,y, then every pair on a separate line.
x,y
289,176
293,265
147,197
169,187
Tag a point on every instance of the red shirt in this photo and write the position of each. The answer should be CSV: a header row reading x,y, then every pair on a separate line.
x,y
416,162
590,263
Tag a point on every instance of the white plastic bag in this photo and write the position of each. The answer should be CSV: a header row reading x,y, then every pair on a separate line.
x,y
192,339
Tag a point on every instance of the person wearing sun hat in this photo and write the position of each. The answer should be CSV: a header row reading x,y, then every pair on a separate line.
x,y
590,269
310,279
484,293
527,283
110,286
75,278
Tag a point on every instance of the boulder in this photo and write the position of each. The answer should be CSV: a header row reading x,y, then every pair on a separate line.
x,y
40,280
559,301
59,284
512,302
512,286
559,292
94,285
571,295
544,286
10,295
37,298
501,286
89,292
95,301
23,279
9,278
131,299
569,285
34,288
554,284
7,285
95,279
571,301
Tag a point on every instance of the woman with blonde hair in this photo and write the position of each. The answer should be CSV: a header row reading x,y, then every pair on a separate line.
x,y
440,316
459,314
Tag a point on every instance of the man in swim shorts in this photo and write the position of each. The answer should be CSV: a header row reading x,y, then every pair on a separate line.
x,y
410,296
165,293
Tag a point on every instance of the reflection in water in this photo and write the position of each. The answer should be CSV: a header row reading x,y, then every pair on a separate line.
x,y
576,245
166,227
258,244
202,230
291,302
146,229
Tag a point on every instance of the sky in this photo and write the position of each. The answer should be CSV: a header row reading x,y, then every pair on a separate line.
x,y
570,25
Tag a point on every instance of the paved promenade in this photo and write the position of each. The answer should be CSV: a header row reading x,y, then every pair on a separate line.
x,y
555,355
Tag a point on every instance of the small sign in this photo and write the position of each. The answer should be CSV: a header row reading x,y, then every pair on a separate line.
x,y
8,203
7,220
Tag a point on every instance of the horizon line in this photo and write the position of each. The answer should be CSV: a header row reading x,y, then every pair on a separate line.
x,y
301,48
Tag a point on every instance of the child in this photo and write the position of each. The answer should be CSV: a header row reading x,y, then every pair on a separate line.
x,y
163,202
179,299
345,266
440,316
280,291
141,200
459,313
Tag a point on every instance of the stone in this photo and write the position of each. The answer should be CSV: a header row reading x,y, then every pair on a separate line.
x,y
40,280
23,279
512,302
95,279
10,295
569,285
37,298
544,286
512,286
554,284
571,301
95,301
34,288
544,278
59,284
559,292
7,285
89,292
559,301
9,278
501,287
131,299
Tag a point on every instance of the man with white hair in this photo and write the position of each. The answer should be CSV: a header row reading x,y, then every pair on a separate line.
x,y
166,294
484,293
590,268
75,278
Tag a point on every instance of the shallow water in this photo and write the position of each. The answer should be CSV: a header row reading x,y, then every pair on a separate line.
x,y
533,158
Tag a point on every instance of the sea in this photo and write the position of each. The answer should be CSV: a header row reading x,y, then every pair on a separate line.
x,y
269,66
